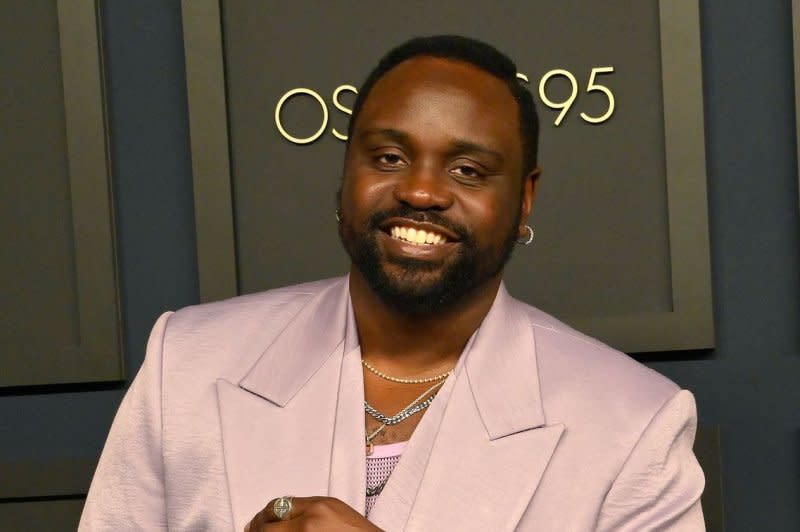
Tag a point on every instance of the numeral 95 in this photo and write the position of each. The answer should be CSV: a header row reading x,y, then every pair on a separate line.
x,y
566,105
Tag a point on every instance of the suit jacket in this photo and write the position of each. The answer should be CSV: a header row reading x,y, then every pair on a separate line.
x,y
540,427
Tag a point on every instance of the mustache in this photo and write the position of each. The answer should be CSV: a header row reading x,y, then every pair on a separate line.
x,y
429,216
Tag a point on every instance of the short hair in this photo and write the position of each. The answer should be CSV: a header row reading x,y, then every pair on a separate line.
x,y
473,52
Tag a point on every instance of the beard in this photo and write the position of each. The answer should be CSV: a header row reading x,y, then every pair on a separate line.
x,y
421,287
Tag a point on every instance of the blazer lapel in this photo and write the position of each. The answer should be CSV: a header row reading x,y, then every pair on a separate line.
x,y
476,461
348,471
475,483
279,421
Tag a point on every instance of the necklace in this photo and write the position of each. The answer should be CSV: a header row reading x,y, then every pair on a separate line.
x,y
400,416
405,380
412,408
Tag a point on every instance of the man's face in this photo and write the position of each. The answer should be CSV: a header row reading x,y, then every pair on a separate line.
x,y
432,196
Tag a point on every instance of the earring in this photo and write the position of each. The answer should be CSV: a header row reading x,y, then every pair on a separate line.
x,y
339,216
528,240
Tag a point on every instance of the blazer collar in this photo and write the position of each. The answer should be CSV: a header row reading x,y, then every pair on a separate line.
x,y
502,351
322,324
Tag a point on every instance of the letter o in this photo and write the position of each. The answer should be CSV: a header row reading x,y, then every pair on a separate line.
x,y
295,92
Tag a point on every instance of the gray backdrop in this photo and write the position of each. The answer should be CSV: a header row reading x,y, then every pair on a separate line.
x,y
747,385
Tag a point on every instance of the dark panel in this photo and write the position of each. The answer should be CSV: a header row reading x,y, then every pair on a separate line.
x,y
35,202
212,196
58,294
41,515
796,41
50,478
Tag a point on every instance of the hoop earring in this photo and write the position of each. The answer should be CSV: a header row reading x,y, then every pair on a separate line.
x,y
527,241
338,216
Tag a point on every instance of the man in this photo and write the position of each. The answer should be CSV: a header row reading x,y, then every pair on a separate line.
x,y
415,391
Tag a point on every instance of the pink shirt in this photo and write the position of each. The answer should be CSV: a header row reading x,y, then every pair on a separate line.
x,y
380,465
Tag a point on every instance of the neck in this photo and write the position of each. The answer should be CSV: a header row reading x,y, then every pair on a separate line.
x,y
402,344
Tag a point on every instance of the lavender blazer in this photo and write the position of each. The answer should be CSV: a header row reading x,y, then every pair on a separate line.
x,y
542,428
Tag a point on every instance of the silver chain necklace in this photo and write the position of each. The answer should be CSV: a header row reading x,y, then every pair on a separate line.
x,y
400,416
414,407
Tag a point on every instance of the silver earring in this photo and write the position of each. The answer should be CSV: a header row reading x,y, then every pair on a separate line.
x,y
528,240
339,216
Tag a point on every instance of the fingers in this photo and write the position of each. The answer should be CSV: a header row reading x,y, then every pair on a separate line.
x,y
260,520
280,509
299,505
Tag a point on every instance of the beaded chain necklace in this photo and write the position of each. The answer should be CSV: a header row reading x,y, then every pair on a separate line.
x,y
405,380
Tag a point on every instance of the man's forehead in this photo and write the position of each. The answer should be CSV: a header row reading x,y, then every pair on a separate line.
x,y
425,70
438,91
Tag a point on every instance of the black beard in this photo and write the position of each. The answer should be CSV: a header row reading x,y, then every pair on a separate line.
x,y
406,293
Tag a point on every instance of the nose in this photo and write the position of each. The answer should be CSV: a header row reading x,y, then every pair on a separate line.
x,y
424,187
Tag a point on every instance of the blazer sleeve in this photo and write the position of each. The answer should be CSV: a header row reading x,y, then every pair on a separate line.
x,y
659,486
127,492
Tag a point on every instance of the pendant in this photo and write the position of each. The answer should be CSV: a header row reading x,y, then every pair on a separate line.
x,y
370,437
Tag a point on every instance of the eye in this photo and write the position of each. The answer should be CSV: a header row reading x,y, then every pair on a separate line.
x,y
467,171
389,158
389,161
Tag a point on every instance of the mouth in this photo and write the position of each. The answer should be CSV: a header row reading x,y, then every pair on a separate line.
x,y
418,237
418,234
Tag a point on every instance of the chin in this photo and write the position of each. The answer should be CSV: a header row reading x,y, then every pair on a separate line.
x,y
419,292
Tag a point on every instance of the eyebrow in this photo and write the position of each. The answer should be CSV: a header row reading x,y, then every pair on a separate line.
x,y
457,146
467,146
392,134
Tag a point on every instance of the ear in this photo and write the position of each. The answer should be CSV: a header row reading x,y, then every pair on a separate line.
x,y
530,185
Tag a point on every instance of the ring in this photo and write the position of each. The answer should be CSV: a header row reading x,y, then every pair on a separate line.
x,y
282,507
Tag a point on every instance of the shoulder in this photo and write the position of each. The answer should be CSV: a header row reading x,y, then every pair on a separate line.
x,y
254,303
271,306
225,337
581,378
625,449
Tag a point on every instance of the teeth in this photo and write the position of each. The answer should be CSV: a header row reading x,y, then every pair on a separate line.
x,y
415,236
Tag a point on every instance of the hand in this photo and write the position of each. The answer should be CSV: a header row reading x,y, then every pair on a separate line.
x,y
309,514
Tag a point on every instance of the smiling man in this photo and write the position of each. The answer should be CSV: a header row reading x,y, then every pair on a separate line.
x,y
415,393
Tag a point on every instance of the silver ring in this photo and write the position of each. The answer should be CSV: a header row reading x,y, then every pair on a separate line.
x,y
282,507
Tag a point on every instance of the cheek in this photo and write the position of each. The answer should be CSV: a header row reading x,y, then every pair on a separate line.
x,y
362,195
491,214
